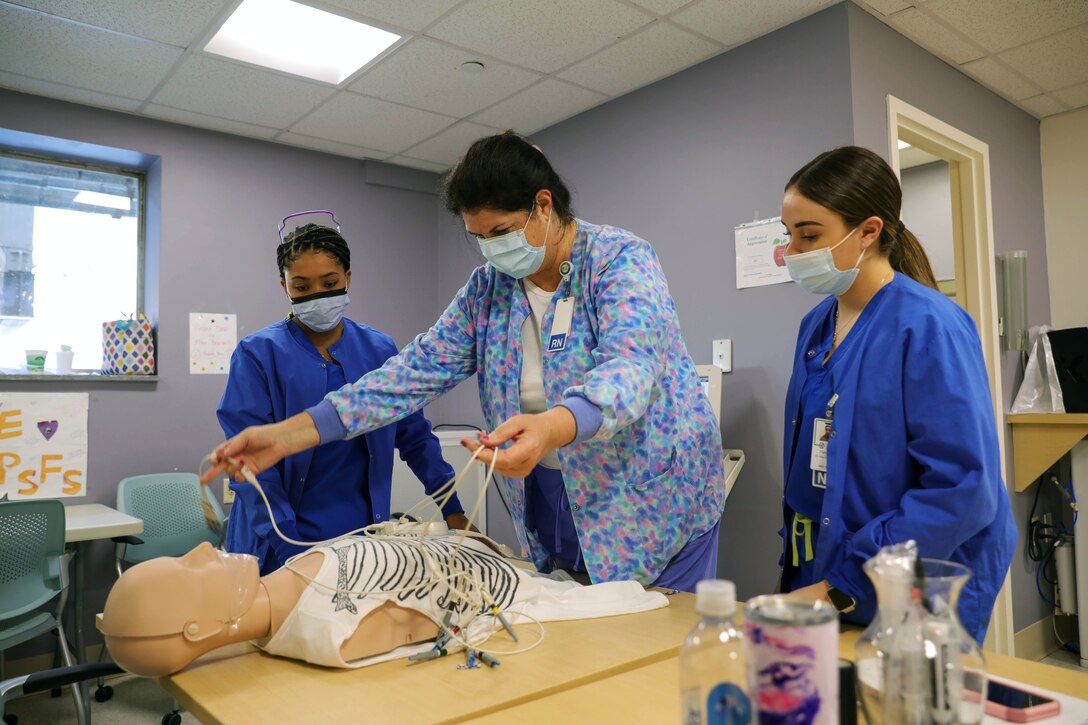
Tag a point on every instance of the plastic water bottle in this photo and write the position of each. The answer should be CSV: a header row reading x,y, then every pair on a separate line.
x,y
712,675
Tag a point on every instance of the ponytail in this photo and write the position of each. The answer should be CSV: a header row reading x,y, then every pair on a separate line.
x,y
907,256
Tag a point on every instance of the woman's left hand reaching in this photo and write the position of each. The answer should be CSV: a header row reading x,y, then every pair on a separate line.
x,y
533,436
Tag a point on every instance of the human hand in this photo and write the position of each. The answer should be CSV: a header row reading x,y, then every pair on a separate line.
x,y
813,592
260,447
460,521
533,437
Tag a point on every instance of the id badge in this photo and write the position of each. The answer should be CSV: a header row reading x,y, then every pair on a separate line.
x,y
821,435
564,314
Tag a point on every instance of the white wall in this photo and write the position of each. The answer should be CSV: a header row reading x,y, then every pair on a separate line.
x,y
1064,148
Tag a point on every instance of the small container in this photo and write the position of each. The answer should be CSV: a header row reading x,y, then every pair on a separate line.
x,y
64,358
35,361
793,659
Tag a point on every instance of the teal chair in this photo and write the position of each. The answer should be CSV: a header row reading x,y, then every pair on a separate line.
x,y
172,507
33,571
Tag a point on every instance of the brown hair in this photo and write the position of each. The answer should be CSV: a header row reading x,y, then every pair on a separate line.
x,y
856,184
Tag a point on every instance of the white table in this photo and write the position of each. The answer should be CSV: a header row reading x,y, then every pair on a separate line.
x,y
84,523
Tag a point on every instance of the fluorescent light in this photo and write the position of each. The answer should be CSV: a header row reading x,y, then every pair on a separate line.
x,y
298,39
903,144
111,201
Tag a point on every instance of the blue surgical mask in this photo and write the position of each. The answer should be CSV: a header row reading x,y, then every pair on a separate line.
x,y
322,311
817,273
511,252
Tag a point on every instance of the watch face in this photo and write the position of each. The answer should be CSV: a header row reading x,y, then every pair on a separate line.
x,y
842,601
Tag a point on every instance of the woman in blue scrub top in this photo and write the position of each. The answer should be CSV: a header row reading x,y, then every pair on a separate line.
x,y
291,365
890,431
610,451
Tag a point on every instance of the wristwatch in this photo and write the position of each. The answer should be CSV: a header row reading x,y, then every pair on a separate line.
x,y
841,600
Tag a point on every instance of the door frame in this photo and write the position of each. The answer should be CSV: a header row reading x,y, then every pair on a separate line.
x,y
972,228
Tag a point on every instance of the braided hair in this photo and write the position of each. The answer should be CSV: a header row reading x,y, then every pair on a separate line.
x,y
312,238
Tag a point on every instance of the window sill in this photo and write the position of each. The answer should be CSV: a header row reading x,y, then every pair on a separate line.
x,y
76,378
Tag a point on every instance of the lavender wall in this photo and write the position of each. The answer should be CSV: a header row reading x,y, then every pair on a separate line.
x,y
883,62
221,199
681,162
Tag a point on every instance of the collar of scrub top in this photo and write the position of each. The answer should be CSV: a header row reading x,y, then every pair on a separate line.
x,y
319,217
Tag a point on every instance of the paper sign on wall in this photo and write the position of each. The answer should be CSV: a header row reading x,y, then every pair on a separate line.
x,y
212,338
761,248
43,445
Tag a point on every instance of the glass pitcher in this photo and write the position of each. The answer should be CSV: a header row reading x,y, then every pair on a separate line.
x,y
916,663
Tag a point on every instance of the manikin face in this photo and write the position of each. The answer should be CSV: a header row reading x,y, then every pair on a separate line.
x,y
162,614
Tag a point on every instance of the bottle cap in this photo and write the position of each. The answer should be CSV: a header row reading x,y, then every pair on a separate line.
x,y
715,597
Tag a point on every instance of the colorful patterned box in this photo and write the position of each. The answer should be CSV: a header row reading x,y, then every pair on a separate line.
x,y
128,347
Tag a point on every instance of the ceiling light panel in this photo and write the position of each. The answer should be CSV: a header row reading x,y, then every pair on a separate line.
x,y
298,39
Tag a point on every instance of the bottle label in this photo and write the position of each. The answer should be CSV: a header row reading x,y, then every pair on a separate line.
x,y
725,704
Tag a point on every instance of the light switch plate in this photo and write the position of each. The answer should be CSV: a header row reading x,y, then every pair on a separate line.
x,y
723,355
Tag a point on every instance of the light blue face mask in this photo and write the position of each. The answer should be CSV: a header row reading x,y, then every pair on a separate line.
x,y
511,252
321,311
816,271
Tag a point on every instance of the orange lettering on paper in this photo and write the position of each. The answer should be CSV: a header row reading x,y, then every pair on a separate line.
x,y
70,486
11,428
47,469
24,477
15,460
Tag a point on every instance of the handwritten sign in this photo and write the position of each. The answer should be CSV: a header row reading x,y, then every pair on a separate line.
x,y
43,445
212,338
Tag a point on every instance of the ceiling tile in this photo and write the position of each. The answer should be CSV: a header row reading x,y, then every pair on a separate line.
x,y
426,74
1074,96
418,164
998,25
66,93
371,123
332,147
176,23
544,36
1000,79
660,50
77,55
1055,62
887,7
540,106
408,14
934,36
732,22
450,145
661,7
200,120
1042,106
228,90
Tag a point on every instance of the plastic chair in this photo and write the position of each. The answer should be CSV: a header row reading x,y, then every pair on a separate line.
x,y
33,570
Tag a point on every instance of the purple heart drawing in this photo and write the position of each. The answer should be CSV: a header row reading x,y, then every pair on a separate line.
x,y
47,427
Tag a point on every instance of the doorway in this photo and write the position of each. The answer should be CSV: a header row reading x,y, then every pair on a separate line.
x,y
971,269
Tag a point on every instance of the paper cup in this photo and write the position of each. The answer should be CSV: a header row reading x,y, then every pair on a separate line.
x,y
64,361
35,361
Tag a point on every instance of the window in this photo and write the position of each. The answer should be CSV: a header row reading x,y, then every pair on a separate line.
x,y
71,257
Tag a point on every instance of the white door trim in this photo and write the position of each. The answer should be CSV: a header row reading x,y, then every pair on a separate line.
x,y
969,165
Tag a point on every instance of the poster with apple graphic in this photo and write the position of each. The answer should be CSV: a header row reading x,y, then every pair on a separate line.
x,y
761,248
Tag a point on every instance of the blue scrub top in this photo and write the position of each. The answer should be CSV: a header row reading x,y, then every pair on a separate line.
x,y
336,496
804,486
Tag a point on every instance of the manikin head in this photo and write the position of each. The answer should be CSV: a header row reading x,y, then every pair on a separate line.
x,y
164,613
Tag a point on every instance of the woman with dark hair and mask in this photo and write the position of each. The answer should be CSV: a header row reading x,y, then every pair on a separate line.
x,y
890,432
611,454
290,366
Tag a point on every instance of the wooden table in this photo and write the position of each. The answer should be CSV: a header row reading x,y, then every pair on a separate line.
x,y
258,688
651,693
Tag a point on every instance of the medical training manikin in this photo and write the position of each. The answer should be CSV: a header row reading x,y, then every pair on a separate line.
x,y
353,602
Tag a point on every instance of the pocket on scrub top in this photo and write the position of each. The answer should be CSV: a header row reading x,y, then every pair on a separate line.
x,y
658,480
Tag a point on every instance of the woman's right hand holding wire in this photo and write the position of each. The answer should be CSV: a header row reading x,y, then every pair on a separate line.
x,y
260,447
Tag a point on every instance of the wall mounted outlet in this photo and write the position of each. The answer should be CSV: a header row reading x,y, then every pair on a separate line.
x,y
228,493
723,355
